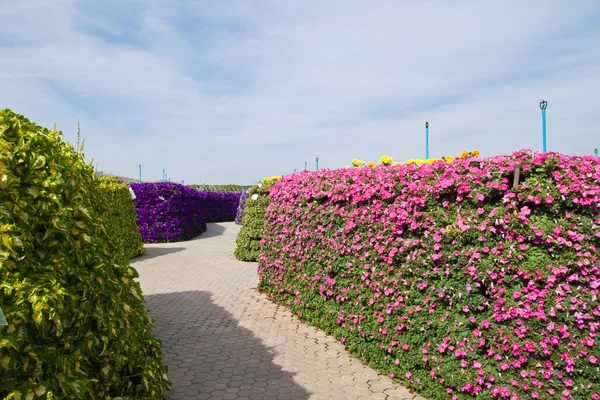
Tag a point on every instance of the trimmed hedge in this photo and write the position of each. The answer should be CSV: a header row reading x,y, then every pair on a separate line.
x,y
248,246
446,277
220,188
219,206
113,203
241,210
168,212
77,324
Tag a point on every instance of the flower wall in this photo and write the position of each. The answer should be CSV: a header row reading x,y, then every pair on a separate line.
x,y
241,210
444,276
219,206
169,212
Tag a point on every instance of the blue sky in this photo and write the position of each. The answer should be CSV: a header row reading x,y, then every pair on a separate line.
x,y
233,91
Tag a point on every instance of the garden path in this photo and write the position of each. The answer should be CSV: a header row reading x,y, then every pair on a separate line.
x,y
224,340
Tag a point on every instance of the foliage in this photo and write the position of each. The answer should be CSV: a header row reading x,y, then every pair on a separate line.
x,y
112,201
241,210
248,240
219,206
220,188
168,212
445,276
77,324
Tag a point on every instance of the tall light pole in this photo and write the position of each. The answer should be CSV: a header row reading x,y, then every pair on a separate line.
x,y
140,173
596,152
427,140
305,164
543,106
317,163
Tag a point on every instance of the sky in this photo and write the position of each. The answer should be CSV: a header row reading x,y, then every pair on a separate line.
x,y
229,92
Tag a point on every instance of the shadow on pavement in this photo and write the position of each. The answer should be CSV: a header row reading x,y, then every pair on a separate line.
x,y
212,230
210,356
152,252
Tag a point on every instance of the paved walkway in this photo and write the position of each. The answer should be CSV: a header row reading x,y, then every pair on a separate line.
x,y
224,340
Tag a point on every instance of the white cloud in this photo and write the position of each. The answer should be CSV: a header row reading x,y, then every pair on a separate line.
x,y
229,92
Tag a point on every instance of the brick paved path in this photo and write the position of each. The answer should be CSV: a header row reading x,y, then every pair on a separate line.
x,y
224,340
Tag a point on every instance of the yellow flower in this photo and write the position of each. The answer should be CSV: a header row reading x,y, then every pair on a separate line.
x,y
386,160
357,163
463,155
448,159
395,163
476,153
371,164
347,166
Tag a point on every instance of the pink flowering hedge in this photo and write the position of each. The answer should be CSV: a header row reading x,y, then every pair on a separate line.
x,y
444,276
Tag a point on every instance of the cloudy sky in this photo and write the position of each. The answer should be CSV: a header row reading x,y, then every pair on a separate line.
x,y
233,91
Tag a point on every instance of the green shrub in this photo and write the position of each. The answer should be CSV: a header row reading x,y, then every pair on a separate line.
x,y
113,203
77,324
248,246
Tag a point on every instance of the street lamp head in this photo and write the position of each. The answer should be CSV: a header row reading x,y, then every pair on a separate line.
x,y
543,104
426,124
596,152
317,158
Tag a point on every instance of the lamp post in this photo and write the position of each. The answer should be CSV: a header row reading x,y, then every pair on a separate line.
x,y
596,152
543,106
140,173
317,163
427,140
305,164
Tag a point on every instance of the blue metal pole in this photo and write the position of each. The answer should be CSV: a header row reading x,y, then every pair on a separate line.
x,y
140,173
305,164
317,163
543,106
427,140
596,152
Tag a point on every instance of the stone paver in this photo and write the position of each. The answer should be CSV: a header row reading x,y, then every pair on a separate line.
x,y
224,340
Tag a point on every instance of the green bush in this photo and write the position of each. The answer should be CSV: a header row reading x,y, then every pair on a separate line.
x,y
77,324
113,203
248,246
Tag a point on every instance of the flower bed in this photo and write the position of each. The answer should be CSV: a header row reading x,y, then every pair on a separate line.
x,y
169,212
446,277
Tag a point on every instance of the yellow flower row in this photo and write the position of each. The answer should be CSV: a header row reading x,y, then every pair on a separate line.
x,y
387,160
272,179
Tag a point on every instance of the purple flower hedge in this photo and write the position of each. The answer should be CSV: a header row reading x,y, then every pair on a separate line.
x,y
241,209
445,275
169,212
219,206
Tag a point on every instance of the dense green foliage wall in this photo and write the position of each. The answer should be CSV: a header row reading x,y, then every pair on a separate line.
x,y
112,201
77,324
248,246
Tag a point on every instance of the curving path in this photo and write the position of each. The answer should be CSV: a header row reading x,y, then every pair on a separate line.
x,y
224,340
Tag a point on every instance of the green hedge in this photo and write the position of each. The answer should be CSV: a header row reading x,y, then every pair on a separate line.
x,y
77,324
248,246
114,204
219,188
